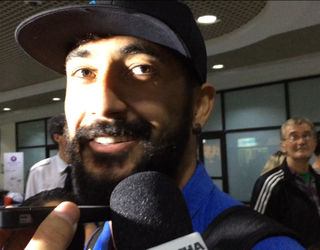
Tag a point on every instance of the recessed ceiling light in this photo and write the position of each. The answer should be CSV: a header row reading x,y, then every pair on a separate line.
x,y
218,66
207,19
6,109
56,99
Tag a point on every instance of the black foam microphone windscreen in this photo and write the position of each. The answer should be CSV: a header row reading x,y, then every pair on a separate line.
x,y
148,209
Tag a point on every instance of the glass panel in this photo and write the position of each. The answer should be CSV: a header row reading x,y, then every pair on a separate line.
x,y
218,183
31,134
215,121
256,107
247,153
304,99
53,152
49,140
212,157
32,156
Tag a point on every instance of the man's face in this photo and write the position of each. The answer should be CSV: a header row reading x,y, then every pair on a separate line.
x,y
299,142
128,110
62,142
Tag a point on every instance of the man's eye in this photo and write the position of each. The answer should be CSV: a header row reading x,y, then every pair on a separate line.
x,y
84,73
293,137
142,69
307,136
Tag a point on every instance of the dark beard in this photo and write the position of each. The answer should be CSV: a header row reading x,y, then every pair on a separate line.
x,y
163,155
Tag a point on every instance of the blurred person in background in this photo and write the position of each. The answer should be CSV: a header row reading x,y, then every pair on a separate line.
x,y
52,172
290,193
274,161
316,164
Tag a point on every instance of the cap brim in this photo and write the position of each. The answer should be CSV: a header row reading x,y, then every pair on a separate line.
x,y
48,36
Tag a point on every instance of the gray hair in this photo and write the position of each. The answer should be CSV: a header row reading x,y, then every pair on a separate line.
x,y
297,120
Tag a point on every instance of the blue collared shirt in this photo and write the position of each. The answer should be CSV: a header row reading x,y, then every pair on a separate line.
x,y
205,201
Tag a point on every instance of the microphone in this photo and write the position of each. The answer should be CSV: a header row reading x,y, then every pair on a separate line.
x,y
148,209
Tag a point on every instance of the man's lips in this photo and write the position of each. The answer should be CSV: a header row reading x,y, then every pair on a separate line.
x,y
113,139
112,144
302,149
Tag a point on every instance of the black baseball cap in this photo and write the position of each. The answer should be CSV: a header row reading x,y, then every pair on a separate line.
x,y
49,35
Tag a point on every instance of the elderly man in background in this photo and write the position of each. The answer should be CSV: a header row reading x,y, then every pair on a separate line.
x,y
290,193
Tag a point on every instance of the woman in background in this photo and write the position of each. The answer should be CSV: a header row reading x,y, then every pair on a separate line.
x,y
274,161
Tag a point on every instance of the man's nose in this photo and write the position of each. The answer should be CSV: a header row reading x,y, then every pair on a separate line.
x,y
302,140
108,102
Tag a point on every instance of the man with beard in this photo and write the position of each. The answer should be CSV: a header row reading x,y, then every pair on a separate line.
x,y
290,193
136,100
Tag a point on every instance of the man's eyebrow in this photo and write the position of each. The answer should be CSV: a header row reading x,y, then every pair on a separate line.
x,y
131,49
139,48
83,53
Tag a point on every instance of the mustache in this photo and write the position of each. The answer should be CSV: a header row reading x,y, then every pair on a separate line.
x,y
138,128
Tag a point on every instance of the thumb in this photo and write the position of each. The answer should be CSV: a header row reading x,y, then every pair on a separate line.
x,y
57,230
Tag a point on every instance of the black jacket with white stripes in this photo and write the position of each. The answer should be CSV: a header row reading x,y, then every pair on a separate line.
x,y
276,195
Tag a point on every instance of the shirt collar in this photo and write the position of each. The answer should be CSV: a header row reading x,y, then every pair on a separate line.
x,y
61,164
197,189
294,172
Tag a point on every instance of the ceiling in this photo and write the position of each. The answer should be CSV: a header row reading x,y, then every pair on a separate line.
x,y
249,38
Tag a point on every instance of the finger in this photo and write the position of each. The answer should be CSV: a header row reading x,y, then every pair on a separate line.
x,y
57,230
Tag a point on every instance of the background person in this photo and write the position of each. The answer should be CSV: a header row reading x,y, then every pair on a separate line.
x,y
274,161
13,198
290,193
50,173
316,164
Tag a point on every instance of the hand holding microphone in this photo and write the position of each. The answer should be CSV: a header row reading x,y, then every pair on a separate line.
x,y
54,233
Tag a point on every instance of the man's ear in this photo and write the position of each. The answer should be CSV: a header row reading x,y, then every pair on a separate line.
x,y
282,146
204,101
56,138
